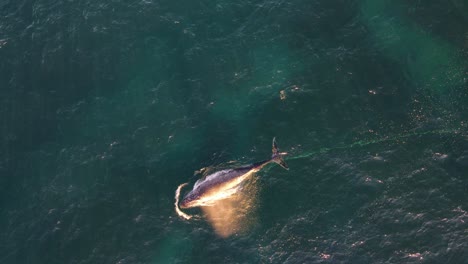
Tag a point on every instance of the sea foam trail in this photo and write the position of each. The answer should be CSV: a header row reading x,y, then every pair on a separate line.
x,y
376,141
176,204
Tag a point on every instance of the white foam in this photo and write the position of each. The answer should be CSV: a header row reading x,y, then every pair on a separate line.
x,y
176,204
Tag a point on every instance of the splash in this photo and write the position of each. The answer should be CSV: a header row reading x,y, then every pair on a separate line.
x,y
176,204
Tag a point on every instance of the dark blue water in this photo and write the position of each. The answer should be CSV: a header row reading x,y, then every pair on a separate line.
x,y
106,107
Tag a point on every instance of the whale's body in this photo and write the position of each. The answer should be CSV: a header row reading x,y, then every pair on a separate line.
x,y
219,185
222,184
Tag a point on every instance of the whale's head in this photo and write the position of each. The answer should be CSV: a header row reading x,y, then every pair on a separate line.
x,y
190,200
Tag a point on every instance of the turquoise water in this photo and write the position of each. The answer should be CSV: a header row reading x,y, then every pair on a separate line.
x,y
106,107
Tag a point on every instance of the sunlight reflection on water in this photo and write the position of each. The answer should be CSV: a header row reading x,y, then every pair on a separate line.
x,y
229,215
236,213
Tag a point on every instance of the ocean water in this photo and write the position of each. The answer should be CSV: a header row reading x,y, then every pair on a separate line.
x,y
106,107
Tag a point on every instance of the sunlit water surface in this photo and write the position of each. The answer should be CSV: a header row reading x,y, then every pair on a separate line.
x,y
107,107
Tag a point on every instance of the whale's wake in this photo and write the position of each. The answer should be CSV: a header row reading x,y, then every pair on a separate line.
x,y
177,195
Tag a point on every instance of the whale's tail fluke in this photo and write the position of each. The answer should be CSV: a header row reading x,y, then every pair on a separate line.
x,y
277,156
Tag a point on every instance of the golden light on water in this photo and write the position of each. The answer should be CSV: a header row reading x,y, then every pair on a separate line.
x,y
228,211
234,214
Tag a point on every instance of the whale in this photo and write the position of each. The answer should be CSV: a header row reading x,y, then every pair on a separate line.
x,y
223,184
